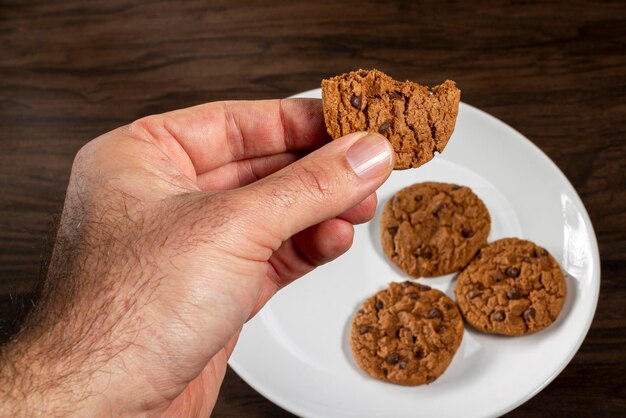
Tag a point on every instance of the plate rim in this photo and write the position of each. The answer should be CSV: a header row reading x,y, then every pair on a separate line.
x,y
596,278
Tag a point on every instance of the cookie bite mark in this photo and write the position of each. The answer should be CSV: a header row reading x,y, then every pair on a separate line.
x,y
417,121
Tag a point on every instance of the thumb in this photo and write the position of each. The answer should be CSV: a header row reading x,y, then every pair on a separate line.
x,y
320,186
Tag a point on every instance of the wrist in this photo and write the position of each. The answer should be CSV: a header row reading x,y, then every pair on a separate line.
x,y
31,384
78,353
46,376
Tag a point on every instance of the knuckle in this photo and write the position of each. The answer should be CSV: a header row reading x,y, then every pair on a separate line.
x,y
145,126
80,157
315,182
301,182
90,158
85,153
84,161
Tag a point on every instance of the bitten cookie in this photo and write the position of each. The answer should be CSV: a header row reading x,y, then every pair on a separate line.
x,y
512,287
406,334
417,120
429,229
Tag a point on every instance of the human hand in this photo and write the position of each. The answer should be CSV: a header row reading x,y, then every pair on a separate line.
x,y
176,230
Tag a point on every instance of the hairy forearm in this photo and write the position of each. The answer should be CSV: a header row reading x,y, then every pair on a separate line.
x,y
31,385
34,362
45,370
67,352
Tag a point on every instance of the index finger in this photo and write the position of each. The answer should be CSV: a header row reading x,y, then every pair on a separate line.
x,y
214,134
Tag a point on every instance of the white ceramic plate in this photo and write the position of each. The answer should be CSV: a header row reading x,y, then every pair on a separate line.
x,y
296,351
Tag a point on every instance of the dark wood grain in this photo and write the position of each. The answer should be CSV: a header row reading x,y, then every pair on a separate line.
x,y
70,70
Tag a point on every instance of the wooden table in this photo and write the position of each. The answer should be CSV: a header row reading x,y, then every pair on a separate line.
x,y
70,70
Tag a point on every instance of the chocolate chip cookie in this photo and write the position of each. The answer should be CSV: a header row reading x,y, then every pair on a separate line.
x,y
418,121
512,287
406,334
429,229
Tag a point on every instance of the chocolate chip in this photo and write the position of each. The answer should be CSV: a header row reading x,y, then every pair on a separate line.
x,y
395,95
438,209
414,296
539,252
512,272
393,230
384,127
363,329
473,294
361,311
424,287
526,260
418,197
543,252
499,316
513,294
529,314
466,232
379,304
405,284
402,364
433,313
393,358
447,305
395,200
418,353
424,252
356,101
430,379
440,329
456,187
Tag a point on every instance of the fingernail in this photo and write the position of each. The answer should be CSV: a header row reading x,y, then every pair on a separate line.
x,y
370,156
